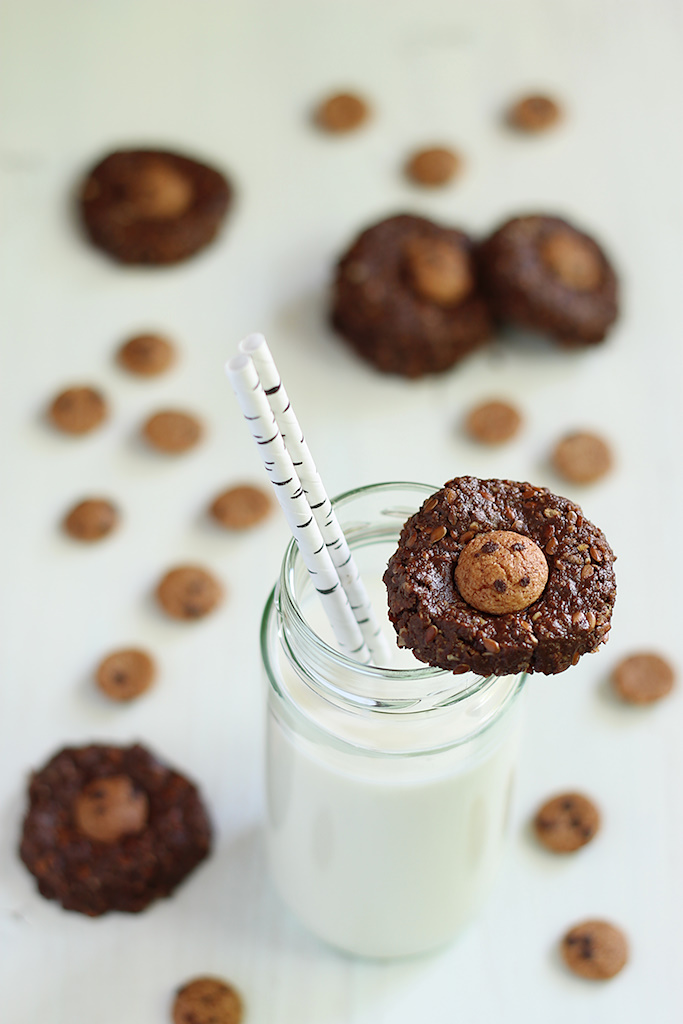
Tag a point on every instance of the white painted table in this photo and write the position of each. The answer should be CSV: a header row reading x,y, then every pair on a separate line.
x,y
234,81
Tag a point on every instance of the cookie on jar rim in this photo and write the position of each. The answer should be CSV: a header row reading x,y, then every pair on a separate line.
x,y
406,297
500,577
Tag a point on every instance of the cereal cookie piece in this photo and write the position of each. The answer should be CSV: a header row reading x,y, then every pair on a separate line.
x,y
152,206
542,273
406,297
111,828
499,577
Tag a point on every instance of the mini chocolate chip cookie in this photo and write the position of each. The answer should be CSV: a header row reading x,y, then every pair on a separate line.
x,y
126,674
433,167
342,112
207,1001
595,949
643,678
172,432
78,410
582,458
567,822
153,206
91,520
542,273
534,114
498,577
493,422
146,355
406,297
189,592
241,507
111,828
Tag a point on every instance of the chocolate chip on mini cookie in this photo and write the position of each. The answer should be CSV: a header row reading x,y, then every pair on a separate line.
x,y
78,410
406,297
595,949
111,828
342,112
146,355
173,432
91,520
153,206
643,678
534,114
433,167
582,458
124,675
493,422
542,273
189,592
207,1001
499,577
238,508
567,822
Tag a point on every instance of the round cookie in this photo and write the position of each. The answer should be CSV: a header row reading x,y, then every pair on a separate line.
x,y
643,678
78,410
582,458
431,616
433,167
146,355
567,822
111,828
124,675
152,206
493,422
172,432
241,507
91,520
540,272
189,592
207,1001
534,114
595,950
406,297
342,112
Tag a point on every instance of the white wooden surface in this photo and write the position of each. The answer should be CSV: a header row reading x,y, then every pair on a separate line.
x,y
234,81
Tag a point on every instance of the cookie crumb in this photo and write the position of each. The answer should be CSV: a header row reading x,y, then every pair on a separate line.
x,y
146,355
207,1001
109,808
493,422
595,949
500,571
173,432
189,592
91,520
433,167
643,678
567,822
78,410
126,674
241,507
582,458
534,114
341,112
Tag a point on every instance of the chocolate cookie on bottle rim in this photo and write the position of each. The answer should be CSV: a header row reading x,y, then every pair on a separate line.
x,y
152,206
111,828
406,297
542,273
569,614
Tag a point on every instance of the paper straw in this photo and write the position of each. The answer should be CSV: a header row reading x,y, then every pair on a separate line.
x,y
321,506
290,494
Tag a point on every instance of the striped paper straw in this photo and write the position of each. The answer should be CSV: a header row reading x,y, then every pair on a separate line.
x,y
321,506
290,494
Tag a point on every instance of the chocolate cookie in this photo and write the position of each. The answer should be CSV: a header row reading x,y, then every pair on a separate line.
x,y
643,678
146,355
207,1001
498,577
124,675
78,410
189,592
342,112
91,520
582,458
238,508
152,206
595,950
406,297
493,422
172,432
433,167
542,273
567,822
534,114
111,828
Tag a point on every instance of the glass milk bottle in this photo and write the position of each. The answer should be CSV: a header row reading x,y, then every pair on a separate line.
x,y
388,787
